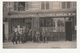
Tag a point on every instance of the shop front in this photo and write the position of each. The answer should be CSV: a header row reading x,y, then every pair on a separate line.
x,y
59,26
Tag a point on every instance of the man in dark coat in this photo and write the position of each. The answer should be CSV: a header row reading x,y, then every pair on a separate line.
x,y
19,37
14,38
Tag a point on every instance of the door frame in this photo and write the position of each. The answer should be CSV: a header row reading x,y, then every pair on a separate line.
x,y
31,25
65,30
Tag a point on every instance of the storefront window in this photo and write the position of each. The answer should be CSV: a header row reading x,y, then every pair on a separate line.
x,y
46,22
58,23
53,24
62,24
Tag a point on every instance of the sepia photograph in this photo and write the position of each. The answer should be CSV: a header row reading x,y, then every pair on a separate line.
x,y
39,24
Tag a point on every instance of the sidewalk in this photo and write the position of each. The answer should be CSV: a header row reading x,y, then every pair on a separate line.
x,y
54,45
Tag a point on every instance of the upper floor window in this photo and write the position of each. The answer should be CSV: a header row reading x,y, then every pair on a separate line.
x,y
65,5
47,5
68,4
44,5
21,6
27,5
74,4
15,5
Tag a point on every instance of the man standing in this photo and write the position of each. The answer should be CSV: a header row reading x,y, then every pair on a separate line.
x,y
37,36
44,35
14,38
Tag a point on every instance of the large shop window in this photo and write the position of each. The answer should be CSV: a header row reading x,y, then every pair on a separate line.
x,y
18,25
53,24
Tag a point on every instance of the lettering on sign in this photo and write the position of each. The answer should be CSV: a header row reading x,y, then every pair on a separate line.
x,y
58,14
44,15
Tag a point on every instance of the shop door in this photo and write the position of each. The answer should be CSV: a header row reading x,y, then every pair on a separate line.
x,y
29,29
68,29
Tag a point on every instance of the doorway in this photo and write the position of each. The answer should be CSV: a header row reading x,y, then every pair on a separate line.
x,y
28,23
68,30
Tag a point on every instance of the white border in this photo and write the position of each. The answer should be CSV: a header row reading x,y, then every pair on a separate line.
x,y
42,50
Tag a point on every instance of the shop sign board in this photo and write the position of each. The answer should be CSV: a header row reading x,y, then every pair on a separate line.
x,y
43,15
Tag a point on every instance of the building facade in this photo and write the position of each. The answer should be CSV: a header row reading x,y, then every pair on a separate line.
x,y
58,18
5,21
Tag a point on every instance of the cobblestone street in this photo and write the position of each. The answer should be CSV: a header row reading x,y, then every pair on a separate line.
x,y
27,45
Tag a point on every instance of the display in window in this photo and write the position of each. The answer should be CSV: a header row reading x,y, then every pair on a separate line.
x,y
53,24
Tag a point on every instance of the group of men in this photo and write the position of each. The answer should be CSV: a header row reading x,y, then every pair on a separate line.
x,y
44,35
25,36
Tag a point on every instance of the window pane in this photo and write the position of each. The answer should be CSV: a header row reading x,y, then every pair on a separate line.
x,y
42,5
21,6
27,5
63,5
74,4
15,5
58,23
45,22
41,22
68,4
47,5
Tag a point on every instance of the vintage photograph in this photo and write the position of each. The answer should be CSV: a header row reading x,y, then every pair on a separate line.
x,y
39,24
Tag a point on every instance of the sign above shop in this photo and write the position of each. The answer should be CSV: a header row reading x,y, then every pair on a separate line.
x,y
43,15
58,14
